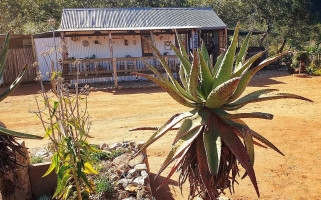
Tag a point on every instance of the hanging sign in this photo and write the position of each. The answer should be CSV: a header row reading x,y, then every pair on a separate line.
x,y
195,40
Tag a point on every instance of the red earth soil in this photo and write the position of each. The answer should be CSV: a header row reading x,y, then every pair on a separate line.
x,y
295,130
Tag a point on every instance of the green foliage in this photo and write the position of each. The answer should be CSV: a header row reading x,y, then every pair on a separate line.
x,y
209,143
99,155
67,126
301,56
36,159
103,185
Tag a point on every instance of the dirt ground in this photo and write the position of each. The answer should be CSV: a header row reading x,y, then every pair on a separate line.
x,y
295,129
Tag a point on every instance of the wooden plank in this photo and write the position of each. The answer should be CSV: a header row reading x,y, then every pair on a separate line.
x,y
115,72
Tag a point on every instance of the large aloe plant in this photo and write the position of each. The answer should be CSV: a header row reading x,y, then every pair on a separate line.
x,y
210,140
8,145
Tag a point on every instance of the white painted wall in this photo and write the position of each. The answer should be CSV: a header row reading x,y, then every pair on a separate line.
x,y
133,49
120,50
160,43
77,50
44,48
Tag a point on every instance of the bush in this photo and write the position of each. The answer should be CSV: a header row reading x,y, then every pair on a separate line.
x,y
36,159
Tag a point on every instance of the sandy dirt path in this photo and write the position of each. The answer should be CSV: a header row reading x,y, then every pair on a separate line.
x,y
295,129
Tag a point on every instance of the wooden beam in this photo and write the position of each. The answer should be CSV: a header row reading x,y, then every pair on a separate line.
x,y
114,61
65,67
35,59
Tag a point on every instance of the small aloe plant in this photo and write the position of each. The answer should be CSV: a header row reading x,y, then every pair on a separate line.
x,y
210,140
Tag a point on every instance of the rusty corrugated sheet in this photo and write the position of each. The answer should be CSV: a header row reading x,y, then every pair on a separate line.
x,y
139,19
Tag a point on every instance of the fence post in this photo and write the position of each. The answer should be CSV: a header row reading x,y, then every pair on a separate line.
x,y
115,72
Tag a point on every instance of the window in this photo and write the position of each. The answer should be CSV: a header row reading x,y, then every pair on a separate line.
x,y
147,49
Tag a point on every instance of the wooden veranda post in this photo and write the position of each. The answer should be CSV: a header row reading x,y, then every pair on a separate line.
x,y
114,61
64,55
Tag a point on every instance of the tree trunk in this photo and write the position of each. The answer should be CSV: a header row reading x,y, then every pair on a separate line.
x,y
15,185
282,46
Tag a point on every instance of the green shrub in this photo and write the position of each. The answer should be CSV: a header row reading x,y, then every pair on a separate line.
x,y
104,185
36,159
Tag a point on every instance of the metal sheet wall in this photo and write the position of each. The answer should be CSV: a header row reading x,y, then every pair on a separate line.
x,y
44,48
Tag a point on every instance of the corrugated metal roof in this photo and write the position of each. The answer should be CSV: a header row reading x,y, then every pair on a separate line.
x,y
88,19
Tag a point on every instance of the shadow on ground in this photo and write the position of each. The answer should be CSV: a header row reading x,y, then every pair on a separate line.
x,y
164,192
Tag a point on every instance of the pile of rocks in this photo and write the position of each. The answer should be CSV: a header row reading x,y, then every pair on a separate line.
x,y
129,176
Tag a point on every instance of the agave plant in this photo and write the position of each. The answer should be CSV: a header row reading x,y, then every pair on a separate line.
x,y
9,147
210,140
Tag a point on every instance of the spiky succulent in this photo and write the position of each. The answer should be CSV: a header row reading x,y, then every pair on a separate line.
x,y
9,147
210,141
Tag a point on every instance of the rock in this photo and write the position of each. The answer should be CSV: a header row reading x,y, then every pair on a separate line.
x,y
92,89
125,145
122,159
103,146
224,198
144,173
132,144
115,145
124,182
135,161
132,187
140,167
114,177
123,195
140,180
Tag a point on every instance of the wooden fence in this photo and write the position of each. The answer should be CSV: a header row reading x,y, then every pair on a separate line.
x,y
16,59
114,67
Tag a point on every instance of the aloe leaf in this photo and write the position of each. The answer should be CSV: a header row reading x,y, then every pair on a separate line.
x,y
174,168
222,93
181,46
207,79
248,63
248,140
182,76
193,81
225,69
205,55
243,128
164,64
153,69
213,145
248,75
166,86
248,115
242,53
264,141
190,123
179,147
184,60
235,145
3,55
203,167
252,95
218,64
165,128
18,134
262,97
168,71
14,85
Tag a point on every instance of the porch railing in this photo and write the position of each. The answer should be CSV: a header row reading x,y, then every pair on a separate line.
x,y
114,67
